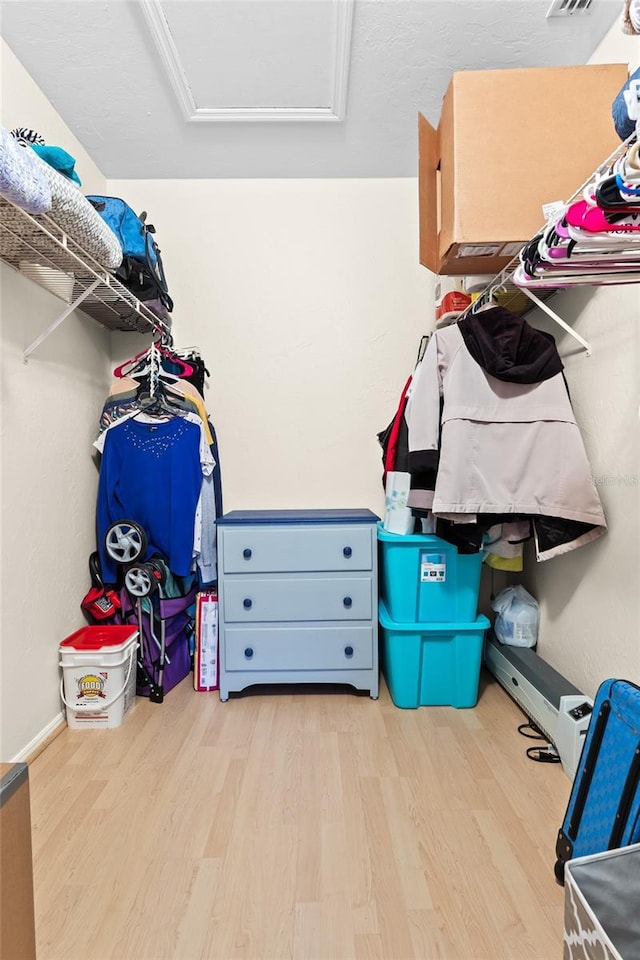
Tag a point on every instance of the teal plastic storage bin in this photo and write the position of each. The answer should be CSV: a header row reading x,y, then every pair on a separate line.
x,y
432,664
423,579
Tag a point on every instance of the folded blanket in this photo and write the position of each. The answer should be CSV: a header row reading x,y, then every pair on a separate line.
x,y
22,180
74,214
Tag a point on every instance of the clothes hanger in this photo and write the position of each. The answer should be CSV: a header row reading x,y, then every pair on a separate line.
x,y
155,397
186,369
193,354
164,346
140,363
157,404
122,370
187,351
482,302
489,301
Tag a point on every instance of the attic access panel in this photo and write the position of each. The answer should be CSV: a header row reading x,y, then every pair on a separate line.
x,y
255,60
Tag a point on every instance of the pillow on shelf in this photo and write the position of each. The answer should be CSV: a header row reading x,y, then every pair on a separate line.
x,y
73,213
22,180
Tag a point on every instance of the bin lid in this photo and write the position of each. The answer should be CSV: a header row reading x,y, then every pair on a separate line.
x,y
425,539
99,637
472,626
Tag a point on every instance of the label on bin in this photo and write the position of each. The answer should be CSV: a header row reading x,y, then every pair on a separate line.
x,y
433,567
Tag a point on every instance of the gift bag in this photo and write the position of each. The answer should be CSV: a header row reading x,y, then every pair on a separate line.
x,y
205,661
397,515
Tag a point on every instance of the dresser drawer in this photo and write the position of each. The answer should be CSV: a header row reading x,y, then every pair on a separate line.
x,y
287,549
249,599
298,648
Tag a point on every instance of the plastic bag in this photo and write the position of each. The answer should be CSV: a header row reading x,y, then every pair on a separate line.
x,y
518,617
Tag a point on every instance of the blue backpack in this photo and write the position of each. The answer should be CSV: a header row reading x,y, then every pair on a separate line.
x,y
132,230
141,270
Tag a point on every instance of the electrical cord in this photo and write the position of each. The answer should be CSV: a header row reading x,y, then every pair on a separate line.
x,y
537,735
547,754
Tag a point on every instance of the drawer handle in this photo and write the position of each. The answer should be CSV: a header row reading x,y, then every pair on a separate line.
x,y
348,602
246,553
247,603
248,652
347,551
348,651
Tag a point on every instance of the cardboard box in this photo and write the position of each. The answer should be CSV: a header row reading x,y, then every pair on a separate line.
x,y
508,142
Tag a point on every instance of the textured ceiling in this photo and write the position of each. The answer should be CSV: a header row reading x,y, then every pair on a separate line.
x,y
274,88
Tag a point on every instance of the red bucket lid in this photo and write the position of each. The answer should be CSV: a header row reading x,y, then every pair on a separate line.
x,y
95,638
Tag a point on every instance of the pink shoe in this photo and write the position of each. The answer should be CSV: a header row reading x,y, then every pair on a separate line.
x,y
581,214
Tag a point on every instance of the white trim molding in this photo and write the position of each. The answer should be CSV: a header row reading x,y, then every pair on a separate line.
x,y
172,63
343,27
41,740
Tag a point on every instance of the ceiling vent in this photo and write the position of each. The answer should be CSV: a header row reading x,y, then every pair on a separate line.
x,y
568,8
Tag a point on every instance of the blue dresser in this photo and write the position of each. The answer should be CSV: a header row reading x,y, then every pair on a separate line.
x,y
298,598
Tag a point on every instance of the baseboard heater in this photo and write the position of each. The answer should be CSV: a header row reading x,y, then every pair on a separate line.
x,y
553,704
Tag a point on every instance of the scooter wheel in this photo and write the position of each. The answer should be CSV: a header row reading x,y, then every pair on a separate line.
x,y
125,541
139,581
558,869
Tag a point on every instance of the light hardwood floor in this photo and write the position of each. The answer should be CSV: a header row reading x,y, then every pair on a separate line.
x,y
315,825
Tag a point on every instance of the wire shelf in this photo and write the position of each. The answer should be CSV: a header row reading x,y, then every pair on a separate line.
x,y
39,249
504,278
503,291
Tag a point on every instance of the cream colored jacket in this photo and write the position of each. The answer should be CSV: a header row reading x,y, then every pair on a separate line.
x,y
504,448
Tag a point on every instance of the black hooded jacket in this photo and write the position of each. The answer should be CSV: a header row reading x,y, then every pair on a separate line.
x,y
508,348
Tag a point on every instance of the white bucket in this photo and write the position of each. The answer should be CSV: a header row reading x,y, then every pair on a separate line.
x,y
98,684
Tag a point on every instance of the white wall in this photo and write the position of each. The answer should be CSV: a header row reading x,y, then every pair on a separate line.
x,y
618,47
307,302
590,599
48,416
